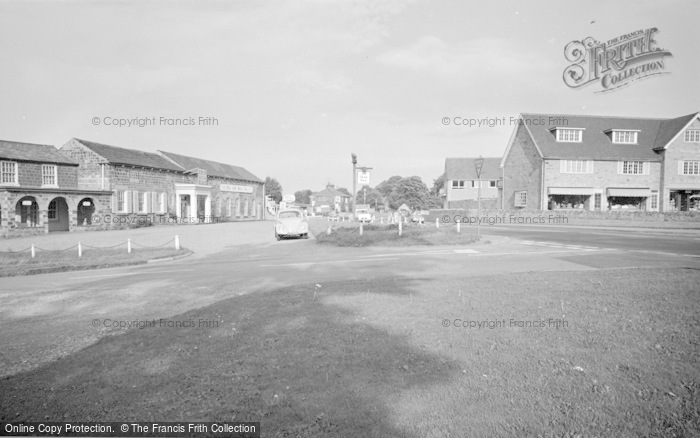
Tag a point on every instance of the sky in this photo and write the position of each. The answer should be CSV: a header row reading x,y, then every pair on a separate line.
x,y
296,87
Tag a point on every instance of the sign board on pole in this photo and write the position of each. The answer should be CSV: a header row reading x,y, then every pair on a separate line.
x,y
363,178
479,162
288,198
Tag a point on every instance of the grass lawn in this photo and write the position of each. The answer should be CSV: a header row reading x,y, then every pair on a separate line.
x,y
393,358
21,263
348,234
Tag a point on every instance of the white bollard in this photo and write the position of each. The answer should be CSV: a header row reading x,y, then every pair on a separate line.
x,y
400,228
329,230
177,242
360,228
80,250
128,246
458,229
33,251
437,223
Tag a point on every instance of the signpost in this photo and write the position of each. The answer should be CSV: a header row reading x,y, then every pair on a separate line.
x,y
479,162
363,177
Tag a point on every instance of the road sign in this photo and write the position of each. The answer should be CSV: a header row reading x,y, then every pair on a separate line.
x,y
479,162
288,198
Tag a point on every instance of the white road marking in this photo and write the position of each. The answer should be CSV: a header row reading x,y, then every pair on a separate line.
x,y
330,262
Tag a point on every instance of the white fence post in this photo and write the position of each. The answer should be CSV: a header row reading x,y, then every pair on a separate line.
x,y
33,251
80,250
360,228
437,223
128,246
177,242
400,229
458,229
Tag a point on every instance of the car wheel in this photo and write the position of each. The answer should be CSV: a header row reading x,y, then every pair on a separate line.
x,y
305,236
277,236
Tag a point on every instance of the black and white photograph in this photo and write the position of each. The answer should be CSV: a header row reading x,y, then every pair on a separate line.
x,y
349,218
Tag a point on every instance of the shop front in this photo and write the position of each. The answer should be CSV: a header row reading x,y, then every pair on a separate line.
x,y
570,198
634,199
684,199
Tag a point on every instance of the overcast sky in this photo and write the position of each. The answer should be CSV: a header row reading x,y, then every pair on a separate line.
x,y
298,86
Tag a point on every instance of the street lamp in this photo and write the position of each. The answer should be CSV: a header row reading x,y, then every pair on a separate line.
x,y
478,163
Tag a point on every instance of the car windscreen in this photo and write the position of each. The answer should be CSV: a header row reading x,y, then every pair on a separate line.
x,y
289,214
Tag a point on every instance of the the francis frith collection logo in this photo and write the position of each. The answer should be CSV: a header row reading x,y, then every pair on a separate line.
x,y
615,63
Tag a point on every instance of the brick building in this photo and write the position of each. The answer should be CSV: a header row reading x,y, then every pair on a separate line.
x,y
560,162
40,192
462,183
330,200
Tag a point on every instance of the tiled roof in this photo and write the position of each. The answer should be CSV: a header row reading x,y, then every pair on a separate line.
x,y
597,142
131,157
213,168
465,169
327,192
39,153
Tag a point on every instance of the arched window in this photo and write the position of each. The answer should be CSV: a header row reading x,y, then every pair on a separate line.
x,y
86,209
27,212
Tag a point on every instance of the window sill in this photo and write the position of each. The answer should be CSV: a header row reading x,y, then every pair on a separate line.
x,y
9,184
49,186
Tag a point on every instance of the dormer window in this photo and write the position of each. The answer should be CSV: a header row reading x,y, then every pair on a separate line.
x,y
569,135
624,136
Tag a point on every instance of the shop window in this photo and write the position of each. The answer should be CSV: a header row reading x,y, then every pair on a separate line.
x,y
568,202
27,212
626,203
86,209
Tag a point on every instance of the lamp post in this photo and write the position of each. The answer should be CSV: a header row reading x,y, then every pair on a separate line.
x,y
478,163
364,196
354,182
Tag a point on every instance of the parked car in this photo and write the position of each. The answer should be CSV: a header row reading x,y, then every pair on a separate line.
x,y
417,218
291,223
362,215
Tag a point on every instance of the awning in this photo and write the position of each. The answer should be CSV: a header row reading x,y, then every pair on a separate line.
x,y
570,191
630,193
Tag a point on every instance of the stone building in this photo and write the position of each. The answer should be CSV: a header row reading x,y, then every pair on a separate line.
x,y
40,192
462,183
562,162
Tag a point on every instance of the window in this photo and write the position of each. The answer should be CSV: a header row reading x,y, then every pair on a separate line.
x,y
492,183
569,135
690,167
158,207
474,183
141,200
692,135
52,211
625,137
456,184
520,199
654,201
49,175
121,201
633,168
8,172
575,166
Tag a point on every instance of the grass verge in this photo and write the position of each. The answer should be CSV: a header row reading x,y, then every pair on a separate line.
x,y
21,263
388,235
376,358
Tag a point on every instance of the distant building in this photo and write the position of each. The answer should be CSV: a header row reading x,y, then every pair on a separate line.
x,y
462,183
330,200
603,163
40,191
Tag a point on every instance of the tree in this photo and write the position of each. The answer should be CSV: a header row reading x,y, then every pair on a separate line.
x,y
273,189
303,196
344,190
386,187
438,184
411,191
371,195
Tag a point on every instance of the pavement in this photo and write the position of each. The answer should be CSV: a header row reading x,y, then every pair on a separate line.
x,y
201,239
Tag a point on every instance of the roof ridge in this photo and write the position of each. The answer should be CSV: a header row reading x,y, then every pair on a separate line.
x,y
25,142
603,117
116,147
